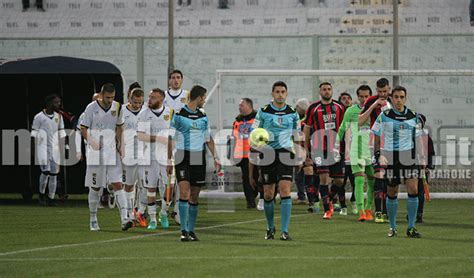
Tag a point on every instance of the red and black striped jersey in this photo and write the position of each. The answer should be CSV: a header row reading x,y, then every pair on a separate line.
x,y
376,112
324,121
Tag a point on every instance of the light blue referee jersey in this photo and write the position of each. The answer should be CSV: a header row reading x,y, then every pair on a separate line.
x,y
399,130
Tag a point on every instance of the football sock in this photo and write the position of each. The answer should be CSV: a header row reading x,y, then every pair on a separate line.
x,y
421,196
121,201
285,213
392,209
183,214
163,207
93,200
193,212
43,181
142,200
333,193
378,194
316,186
412,207
324,189
130,204
359,192
152,211
52,186
269,207
370,193
342,196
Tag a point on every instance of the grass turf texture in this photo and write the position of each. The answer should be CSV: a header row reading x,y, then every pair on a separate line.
x,y
232,244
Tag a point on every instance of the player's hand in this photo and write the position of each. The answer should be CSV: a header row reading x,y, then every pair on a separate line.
x,y
423,163
337,155
79,156
253,184
383,160
308,162
94,144
169,170
121,151
380,102
217,165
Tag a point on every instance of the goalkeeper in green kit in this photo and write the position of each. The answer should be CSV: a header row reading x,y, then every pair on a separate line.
x,y
357,140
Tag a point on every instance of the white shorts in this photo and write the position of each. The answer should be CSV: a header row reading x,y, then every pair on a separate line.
x,y
99,175
153,175
129,174
51,166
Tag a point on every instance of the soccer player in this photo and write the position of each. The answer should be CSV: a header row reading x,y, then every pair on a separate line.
x,y
192,133
240,132
323,118
302,176
372,109
346,100
282,123
402,131
101,127
430,151
46,130
154,127
141,195
175,97
130,148
357,140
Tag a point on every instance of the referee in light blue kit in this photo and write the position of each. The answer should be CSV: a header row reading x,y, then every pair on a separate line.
x,y
282,123
192,132
402,154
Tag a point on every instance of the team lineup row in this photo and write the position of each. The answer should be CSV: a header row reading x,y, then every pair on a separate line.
x,y
325,131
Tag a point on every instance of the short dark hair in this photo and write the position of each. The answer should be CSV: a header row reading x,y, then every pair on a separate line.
x,y
175,71
344,94
364,88
399,88
279,84
133,86
137,92
249,101
49,98
325,83
107,88
382,82
159,91
197,91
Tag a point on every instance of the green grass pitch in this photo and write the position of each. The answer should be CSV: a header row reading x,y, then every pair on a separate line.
x,y
45,241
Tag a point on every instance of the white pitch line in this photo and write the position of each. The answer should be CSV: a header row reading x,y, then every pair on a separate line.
x,y
234,258
131,237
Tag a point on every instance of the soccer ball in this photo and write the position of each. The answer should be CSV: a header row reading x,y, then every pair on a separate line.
x,y
259,137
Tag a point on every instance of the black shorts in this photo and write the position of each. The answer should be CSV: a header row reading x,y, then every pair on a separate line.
x,y
336,170
401,165
325,162
277,170
191,167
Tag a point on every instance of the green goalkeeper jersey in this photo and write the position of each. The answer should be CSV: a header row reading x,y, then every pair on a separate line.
x,y
357,139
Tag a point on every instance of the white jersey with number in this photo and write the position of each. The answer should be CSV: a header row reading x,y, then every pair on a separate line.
x,y
101,124
155,123
47,129
176,99
130,143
